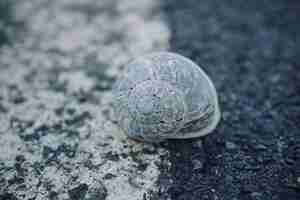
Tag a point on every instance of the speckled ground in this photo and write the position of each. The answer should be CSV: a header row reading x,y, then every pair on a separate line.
x,y
57,68
251,51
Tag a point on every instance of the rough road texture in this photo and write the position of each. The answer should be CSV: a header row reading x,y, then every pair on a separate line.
x,y
251,50
56,70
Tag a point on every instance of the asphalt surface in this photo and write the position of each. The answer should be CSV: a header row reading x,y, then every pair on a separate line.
x,y
251,51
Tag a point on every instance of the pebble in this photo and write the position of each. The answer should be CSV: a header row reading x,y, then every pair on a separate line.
x,y
260,147
197,164
230,145
256,195
199,144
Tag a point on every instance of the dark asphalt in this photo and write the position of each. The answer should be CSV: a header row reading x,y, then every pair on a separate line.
x,y
251,51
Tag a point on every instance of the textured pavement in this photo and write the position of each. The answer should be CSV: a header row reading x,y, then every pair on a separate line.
x,y
251,51
57,137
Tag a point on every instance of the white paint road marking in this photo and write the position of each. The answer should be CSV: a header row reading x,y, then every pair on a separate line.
x,y
65,142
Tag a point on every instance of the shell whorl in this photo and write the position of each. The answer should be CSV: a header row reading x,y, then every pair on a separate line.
x,y
165,95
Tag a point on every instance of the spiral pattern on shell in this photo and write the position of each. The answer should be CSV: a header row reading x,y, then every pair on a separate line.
x,y
165,95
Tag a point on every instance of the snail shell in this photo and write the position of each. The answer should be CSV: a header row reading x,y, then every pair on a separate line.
x,y
165,95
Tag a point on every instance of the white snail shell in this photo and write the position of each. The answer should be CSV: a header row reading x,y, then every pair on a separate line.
x,y
165,95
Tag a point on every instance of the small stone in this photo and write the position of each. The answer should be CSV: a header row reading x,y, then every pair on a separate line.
x,y
230,145
109,176
197,164
199,144
260,147
98,191
256,194
78,192
112,156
